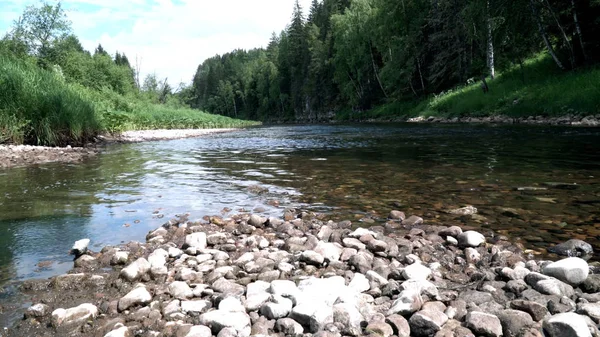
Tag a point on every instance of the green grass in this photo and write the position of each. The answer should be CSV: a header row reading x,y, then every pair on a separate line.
x,y
38,107
539,89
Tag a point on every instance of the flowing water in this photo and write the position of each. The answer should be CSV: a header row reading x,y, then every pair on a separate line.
x,y
539,185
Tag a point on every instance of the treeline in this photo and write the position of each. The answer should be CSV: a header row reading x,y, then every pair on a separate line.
x,y
357,54
54,92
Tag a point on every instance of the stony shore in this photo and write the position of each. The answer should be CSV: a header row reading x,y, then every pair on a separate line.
x,y
301,276
22,155
572,120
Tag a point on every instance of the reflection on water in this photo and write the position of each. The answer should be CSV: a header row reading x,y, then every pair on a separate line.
x,y
355,172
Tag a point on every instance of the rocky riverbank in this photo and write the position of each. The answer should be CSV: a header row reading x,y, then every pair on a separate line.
x,y
573,120
300,276
22,155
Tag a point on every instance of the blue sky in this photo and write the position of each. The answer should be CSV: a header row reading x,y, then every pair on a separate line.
x,y
170,37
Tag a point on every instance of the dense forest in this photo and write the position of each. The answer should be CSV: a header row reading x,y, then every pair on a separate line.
x,y
357,54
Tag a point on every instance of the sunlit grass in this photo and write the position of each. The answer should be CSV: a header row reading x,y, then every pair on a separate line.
x,y
38,107
537,89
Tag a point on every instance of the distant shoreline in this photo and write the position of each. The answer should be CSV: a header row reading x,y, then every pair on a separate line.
x,y
24,155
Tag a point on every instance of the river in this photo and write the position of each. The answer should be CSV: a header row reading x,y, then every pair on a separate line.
x,y
539,185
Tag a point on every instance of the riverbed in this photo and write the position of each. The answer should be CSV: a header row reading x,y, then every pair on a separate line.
x,y
539,185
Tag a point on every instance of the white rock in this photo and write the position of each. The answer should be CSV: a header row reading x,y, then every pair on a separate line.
x,y
231,304
245,258
349,317
285,288
175,252
376,279
359,283
571,270
279,308
123,331
416,271
360,232
80,246
313,315
472,255
180,290
74,316
139,295
195,306
217,320
329,251
326,290
354,243
173,310
470,239
196,240
199,331
37,310
312,257
256,295
408,302
566,325
136,270
120,258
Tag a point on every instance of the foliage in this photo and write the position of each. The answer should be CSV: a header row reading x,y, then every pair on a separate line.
x,y
37,106
352,55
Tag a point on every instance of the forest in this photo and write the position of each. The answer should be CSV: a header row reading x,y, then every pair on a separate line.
x,y
350,56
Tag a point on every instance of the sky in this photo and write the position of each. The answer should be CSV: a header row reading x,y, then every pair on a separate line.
x,y
169,37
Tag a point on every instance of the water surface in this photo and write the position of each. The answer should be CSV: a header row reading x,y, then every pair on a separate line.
x,y
539,185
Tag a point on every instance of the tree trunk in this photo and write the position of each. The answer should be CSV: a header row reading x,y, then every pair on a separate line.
x,y
375,70
420,75
490,43
536,17
578,30
564,35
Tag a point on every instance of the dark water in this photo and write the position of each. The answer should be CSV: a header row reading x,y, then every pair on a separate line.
x,y
350,172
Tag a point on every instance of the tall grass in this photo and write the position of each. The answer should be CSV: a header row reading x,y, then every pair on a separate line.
x,y
37,107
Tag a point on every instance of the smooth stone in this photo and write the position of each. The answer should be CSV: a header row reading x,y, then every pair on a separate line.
x,y
484,324
37,310
231,304
359,283
396,215
408,302
591,310
399,324
514,321
313,315
416,271
467,210
136,270
196,240
199,331
198,306
380,329
289,327
122,331
280,308
426,323
139,295
74,316
312,257
348,316
566,325
470,239
80,247
180,290
571,270
573,247
536,310
219,319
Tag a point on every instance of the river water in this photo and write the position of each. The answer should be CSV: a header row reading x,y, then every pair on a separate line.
x,y
538,185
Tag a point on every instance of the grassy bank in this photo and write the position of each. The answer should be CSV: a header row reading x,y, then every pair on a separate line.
x,y
536,89
39,107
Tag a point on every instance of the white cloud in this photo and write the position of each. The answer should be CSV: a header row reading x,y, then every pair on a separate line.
x,y
173,38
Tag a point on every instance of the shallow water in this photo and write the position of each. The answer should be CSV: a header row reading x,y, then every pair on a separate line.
x,y
357,172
